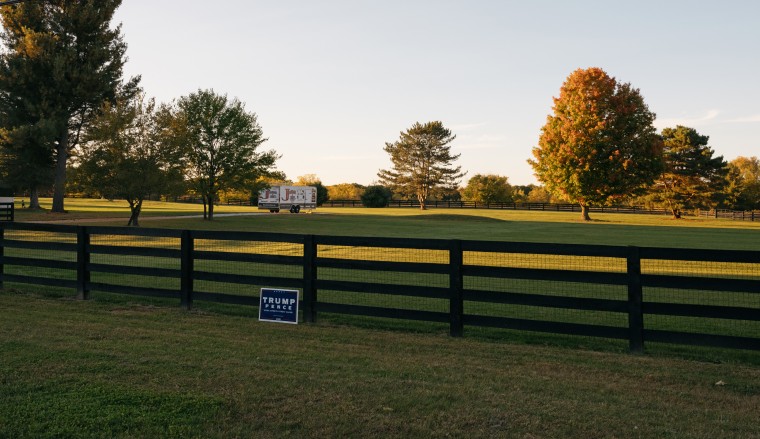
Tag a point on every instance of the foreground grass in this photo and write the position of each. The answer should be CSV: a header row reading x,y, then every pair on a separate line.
x,y
117,369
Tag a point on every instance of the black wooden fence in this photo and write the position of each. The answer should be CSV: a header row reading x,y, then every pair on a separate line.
x,y
638,294
736,215
7,211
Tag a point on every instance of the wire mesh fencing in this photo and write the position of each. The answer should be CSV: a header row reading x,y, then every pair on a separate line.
x,y
41,257
122,261
241,265
380,276
704,298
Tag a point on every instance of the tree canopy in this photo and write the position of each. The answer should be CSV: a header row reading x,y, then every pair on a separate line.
x,y
692,177
376,196
312,180
488,188
222,142
62,61
345,191
744,183
599,144
128,154
422,162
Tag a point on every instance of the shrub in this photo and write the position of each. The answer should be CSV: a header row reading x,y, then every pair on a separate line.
x,y
376,196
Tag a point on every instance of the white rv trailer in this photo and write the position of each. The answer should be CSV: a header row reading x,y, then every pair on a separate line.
x,y
290,198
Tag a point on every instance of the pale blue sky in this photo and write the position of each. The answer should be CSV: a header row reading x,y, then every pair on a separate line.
x,y
331,81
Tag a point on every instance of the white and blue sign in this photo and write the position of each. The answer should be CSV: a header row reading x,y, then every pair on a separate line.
x,y
278,305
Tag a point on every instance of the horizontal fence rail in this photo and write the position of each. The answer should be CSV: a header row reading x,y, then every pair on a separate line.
x,y
635,294
7,211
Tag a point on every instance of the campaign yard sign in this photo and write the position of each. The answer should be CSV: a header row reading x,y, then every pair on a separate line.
x,y
278,305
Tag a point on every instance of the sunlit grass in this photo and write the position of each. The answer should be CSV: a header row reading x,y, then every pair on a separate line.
x,y
85,208
116,368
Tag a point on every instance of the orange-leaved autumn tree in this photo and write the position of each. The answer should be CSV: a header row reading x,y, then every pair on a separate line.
x,y
599,144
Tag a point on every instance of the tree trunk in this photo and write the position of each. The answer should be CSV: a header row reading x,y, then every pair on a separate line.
x,y
205,215
210,207
62,156
584,213
422,201
34,198
135,209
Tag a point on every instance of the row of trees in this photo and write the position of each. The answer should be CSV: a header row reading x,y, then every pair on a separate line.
x,y
598,147
63,100
739,190
203,142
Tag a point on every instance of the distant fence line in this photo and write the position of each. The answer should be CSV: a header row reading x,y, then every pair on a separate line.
x,y
583,290
552,207
736,215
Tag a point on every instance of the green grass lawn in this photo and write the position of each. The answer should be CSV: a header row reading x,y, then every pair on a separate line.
x,y
97,209
474,224
552,227
124,369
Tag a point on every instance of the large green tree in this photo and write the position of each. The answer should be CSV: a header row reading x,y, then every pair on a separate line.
x,y
744,183
62,61
692,177
129,154
488,188
422,162
599,144
222,141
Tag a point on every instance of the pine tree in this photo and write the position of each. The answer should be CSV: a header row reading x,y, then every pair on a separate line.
x,y
692,177
62,62
422,162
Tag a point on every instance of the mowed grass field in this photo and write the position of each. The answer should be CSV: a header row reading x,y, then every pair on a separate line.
x,y
475,224
128,367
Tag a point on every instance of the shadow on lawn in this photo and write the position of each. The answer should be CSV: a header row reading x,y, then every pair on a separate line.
x,y
454,217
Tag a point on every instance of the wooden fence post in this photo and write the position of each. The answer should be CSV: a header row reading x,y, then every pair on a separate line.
x,y
186,282
309,279
456,286
2,256
83,263
635,299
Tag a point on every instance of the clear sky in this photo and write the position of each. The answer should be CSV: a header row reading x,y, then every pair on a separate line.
x,y
332,80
